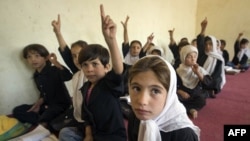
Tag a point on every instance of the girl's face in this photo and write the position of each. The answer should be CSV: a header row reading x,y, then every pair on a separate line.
x,y
208,46
191,59
135,49
37,61
148,95
94,70
75,50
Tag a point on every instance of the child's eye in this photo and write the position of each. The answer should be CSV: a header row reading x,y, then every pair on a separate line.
x,y
155,91
135,88
84,65
95,64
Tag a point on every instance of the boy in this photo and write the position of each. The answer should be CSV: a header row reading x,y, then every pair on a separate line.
x,y
54,96
101,106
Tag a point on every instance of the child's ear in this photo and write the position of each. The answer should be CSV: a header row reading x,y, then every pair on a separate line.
x,y
108,66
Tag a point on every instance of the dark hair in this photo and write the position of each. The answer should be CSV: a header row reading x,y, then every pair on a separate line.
x,y
194,40
80,43
223,42
40,49
243,41
184,39
136,41
155,64
94,51
156,51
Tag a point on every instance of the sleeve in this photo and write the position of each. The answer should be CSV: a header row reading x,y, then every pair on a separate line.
x,y
244,60
201,45
142,53
226,56
175,50
216,77
65,74
236,47
115,83
67,58
125,49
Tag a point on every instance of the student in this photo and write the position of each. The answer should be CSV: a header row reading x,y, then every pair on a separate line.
x,y
225,53
175,49
130,51
70,57
158,114
191,79
101,106
241,54
194,42
211,60
54,96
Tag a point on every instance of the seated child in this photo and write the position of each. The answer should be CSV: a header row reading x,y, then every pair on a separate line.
x,y
191,79
241,54
54,96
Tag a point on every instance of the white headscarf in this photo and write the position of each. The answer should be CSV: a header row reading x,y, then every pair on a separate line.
x,y
172,117
211,61
130,60
243,51
77,82
188,77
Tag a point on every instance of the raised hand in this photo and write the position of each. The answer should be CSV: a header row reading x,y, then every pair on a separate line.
x,y
171,31
125,24
204,23
150,38
108,26
57,24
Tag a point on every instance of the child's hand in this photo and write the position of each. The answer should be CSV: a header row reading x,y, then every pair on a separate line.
x,y
204,23
125,23
108,26
185,95
171,31
53,58
57,24
195,68
150,38
240,34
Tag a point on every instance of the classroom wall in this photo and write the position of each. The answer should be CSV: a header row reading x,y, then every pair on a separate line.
x,y
226,19
29,21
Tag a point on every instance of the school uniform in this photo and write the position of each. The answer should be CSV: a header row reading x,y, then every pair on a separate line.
x,y
190,83
128,59
212,62
67,58
225,55
183,134
102,110
50,83
175,51
241,56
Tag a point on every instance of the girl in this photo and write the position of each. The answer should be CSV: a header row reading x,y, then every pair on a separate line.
x,y
70,57
241,54
158,114
213,62
191,78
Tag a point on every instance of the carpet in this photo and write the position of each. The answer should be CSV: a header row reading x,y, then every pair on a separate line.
x,y
231,106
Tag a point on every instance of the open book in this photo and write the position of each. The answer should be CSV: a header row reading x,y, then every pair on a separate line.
x,y
230,70
38,134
